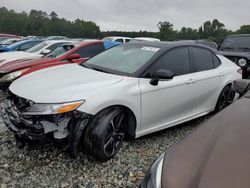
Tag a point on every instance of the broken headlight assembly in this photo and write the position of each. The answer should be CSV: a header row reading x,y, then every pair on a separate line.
x,y
50,109
12,76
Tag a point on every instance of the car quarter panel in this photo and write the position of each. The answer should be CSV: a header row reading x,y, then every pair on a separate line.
x,y
210,83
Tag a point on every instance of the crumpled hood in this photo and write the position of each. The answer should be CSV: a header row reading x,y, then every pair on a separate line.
x,y
24,63
235,54
58,84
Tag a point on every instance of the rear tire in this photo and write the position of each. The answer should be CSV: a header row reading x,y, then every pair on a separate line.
x,y
105,134
226,98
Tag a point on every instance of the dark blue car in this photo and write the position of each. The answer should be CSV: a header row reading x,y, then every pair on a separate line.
x,y
20,45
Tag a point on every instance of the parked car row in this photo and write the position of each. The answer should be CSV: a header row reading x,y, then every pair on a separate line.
x,y
66,53
133,89
93,94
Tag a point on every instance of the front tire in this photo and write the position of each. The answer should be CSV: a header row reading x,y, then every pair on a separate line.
x,y
226,98
105,134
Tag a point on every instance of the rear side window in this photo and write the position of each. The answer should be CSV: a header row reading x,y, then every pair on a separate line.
x,y
175,60
216,61
202,59
119,40
90,51
54,46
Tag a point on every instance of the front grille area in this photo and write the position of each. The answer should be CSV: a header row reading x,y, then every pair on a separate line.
x,y
22,127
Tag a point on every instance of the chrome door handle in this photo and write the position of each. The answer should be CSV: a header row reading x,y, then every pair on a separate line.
x,y
220,74
191,81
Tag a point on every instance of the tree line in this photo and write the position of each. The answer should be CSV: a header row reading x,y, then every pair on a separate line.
x,y
40,23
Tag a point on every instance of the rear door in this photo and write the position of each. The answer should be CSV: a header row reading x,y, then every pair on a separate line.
x,y
170,101
208,79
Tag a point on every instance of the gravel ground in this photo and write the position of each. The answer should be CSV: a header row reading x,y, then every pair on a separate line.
x,y
48,166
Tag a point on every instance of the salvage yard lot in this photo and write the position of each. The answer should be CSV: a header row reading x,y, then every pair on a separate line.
x,y
48,166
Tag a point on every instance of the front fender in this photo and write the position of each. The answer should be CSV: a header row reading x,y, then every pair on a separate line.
x,y
94,107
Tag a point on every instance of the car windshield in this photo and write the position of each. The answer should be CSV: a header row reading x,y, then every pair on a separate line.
x,y
37,47
236,43
124,59
60,51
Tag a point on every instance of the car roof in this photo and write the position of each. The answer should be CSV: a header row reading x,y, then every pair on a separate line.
x,y
170,44
239,35
216,154
56,41
117,37
84,43
22,42
147,38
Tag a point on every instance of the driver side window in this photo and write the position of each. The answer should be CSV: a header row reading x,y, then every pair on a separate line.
x,y
176,60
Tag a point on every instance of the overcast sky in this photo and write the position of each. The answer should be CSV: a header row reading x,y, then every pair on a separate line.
x,y
135,15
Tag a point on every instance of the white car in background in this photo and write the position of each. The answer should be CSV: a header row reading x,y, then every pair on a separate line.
x,y
132,89
150,39
35,52
9,41
118,39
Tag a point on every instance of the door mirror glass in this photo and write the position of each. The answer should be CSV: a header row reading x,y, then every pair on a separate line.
x,y
73,56
161,74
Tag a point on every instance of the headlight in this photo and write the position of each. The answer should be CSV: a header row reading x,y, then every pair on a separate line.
x,y
12,76
242,62
48,109
153,176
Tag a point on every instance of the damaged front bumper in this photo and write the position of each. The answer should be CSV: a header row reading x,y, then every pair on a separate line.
x,y
44,128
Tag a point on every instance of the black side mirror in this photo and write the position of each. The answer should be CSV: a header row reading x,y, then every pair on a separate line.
x,y
161,74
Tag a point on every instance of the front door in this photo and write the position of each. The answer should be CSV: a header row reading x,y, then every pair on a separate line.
x,y
171,101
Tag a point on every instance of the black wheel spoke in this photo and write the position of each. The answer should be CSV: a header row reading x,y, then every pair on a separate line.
x,y
120,120
108,143
115,134
226,98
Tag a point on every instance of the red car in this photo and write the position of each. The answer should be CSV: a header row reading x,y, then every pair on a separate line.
x,y
68,53
9,36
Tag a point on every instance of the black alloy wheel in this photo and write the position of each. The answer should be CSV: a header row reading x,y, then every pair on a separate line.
x,y
115,134
105,133
226,98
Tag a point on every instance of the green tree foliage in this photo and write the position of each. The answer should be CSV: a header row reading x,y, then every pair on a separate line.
x,y
41,24
245,29
166,31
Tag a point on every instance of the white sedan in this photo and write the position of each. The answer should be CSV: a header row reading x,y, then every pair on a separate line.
x,y
35,52
133,89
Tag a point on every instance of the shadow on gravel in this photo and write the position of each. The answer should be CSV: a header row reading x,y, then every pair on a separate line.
x,y
49,166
